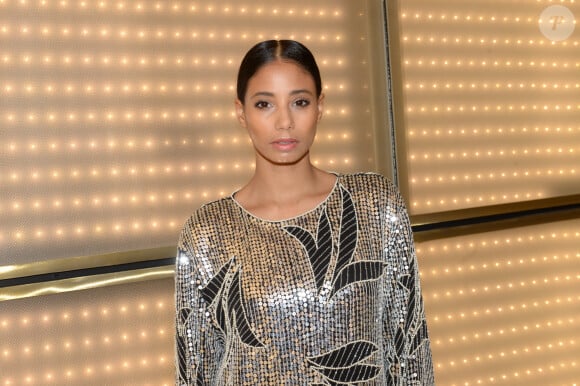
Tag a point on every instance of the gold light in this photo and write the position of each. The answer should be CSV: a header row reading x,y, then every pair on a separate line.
x,y
458,92
87,114
499,302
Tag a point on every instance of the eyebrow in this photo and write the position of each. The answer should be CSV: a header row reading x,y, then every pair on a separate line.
x,y
269,94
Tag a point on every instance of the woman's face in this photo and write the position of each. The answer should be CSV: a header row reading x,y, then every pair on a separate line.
x,y
280,112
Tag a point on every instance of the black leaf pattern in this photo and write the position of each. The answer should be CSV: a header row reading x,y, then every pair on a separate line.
x,y
322,256
220,315
199,379
346,355
356,373
211,290
229,312
184,314
238,315
343,365
325,384
348,231
357,272
320,250
305,238
410,306
182,355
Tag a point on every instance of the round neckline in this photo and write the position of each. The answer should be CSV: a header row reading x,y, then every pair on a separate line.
x,y
314,209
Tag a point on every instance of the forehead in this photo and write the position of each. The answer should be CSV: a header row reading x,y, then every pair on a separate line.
x,y
281,73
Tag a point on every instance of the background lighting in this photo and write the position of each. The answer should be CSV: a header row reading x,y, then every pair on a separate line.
x,y
491,104
503,305
117,117
117,121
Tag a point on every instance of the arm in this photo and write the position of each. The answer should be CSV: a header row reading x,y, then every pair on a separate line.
x,y
405,324
197,346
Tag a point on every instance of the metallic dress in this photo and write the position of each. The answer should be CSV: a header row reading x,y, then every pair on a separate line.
x,y
330,297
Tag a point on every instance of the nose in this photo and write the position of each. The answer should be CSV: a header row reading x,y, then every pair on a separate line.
x,y
284,119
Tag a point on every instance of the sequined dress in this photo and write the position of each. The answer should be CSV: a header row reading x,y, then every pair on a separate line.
x,y
330,297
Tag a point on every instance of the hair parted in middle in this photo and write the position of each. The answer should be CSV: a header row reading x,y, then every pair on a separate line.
x,y
271,50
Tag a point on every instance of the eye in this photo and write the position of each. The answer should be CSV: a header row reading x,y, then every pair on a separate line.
x,y
261,105
302,102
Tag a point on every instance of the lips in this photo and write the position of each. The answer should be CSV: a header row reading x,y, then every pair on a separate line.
x,y
284,141
285,144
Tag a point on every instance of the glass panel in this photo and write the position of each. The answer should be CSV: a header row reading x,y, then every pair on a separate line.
x,y
490,101
504,306
117,117
503,309
115,335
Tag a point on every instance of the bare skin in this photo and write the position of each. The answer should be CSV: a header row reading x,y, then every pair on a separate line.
x,y
281,113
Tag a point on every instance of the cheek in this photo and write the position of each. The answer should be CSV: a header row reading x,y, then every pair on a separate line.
x,y
257,119
255,131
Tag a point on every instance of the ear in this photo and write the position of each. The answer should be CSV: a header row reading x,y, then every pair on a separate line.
x,y
320,106
240,113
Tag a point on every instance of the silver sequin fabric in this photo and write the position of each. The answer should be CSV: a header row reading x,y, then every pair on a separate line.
x,y
330,297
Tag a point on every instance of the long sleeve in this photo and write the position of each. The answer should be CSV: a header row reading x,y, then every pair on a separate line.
x,y
197,345
329,297
184,349
405,326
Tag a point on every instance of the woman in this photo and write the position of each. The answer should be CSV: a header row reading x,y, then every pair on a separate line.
x,y
301,277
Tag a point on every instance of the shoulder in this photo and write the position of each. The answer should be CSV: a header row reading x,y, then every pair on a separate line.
x,y
374,188
368,182
215,211
208,219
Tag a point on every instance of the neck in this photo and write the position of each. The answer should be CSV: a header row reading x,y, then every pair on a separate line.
x,y
278,192
281,182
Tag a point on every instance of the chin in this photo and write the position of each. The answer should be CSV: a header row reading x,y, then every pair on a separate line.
x,y
289,160
285,162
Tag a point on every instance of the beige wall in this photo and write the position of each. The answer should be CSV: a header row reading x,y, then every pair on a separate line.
x,y
118,117
117,122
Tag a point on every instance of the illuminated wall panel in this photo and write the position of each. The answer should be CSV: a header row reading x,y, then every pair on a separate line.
x,y
117,117
503,309
491,104
504,306
118,335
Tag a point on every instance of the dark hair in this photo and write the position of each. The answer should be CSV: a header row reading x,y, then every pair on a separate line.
x,y
270,51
